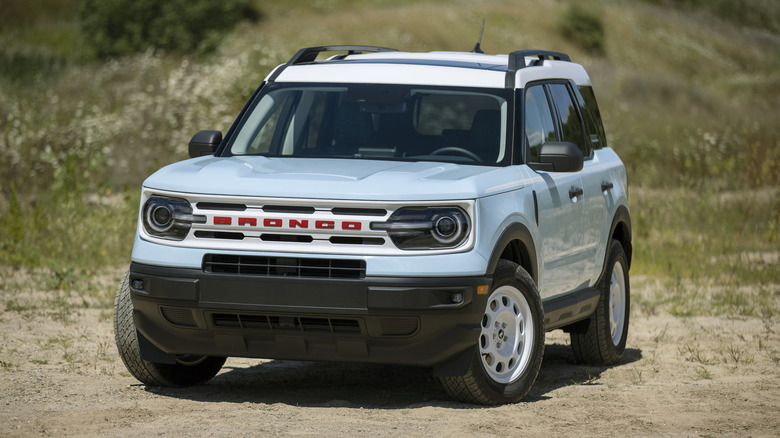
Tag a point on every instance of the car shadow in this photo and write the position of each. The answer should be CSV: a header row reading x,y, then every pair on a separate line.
x,y
355,385
560,369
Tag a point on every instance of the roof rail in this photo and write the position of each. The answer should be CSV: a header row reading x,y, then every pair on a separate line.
x,y
517,62
517,59
309,54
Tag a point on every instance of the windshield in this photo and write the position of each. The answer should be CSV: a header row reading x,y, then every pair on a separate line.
x,y
375,121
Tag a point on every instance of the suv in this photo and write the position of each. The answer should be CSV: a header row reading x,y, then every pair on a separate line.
x,y
434,209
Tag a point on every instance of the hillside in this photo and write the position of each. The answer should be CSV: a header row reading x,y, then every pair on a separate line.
x,y
689,91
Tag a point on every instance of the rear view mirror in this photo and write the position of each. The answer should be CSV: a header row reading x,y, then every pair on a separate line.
x,y
205,143
559,156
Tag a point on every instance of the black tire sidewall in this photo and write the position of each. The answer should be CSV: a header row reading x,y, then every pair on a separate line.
x,y
616,253
151,373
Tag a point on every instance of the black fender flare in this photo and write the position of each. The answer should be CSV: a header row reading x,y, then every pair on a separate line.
x,y
527,255
621,230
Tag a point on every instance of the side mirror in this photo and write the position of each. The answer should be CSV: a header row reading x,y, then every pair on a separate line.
x,y
205,143
559,156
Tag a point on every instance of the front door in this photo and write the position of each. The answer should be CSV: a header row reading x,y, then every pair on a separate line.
x,y
559,199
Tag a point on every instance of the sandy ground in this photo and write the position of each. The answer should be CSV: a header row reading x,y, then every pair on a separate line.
x,y
696,376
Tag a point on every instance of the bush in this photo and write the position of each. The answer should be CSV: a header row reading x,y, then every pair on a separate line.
x,y
583,26
121,27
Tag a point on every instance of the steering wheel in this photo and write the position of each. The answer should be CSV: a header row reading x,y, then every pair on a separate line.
x,y
457,150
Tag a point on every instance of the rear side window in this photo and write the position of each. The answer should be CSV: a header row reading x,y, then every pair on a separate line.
x,y
571,125
590,111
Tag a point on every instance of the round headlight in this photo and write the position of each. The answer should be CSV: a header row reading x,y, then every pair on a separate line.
x,y
421,228
169,218
446,229
161,218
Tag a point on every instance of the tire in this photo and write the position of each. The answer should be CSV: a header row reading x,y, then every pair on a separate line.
x,y
188,369
509,351
605,339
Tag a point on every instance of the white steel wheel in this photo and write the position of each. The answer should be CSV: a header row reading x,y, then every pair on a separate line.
x,y
510,346
507,335
617,303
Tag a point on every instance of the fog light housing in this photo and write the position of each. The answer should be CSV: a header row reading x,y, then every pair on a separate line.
x,y
456,297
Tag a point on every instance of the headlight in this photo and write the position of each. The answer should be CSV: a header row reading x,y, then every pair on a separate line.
x,y
426,228
169,218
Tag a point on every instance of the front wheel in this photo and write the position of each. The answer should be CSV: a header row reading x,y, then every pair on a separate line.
x,y
510,347
605,339
188,369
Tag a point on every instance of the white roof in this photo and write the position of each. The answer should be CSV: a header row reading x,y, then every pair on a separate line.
x,y
461,69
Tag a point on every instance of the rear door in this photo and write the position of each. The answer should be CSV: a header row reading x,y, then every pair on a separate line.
x,y
601,185
575,129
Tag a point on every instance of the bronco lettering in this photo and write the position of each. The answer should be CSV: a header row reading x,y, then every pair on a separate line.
x,y
291,223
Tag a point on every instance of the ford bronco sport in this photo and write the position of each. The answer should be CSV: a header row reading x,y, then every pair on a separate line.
x,y
433,209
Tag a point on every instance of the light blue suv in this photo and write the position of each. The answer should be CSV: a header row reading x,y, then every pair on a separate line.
x,y
438,209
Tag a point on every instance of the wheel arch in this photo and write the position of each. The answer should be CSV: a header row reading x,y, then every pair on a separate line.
x,y
621,231
517,245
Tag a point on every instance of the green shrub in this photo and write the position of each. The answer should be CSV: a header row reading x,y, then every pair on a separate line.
x,y
121,27
583,26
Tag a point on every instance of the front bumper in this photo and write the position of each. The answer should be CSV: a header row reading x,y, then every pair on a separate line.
x,y
394,320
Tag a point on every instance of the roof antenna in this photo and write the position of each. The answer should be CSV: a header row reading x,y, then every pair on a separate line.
x,y
476,48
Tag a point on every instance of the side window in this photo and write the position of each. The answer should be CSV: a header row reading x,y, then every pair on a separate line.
x,y
590,110
539,126
571,126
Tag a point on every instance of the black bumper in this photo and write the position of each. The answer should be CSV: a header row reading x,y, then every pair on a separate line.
x,y
413,321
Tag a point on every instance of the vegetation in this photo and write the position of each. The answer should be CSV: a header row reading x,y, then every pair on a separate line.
x,y
688,89
124,27
583,26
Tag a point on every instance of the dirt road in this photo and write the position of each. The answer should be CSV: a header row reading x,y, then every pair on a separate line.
x,y
681,376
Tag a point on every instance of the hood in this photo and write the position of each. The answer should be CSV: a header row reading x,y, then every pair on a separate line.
x,y
325,178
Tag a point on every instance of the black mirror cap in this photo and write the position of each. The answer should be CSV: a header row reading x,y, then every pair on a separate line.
x,y
559,156
205,143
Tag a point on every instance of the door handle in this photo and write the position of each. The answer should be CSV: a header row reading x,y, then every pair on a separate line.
x,y
606,185
575,192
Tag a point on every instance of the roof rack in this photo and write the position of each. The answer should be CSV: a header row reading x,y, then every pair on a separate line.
x,y
309,54
517,59
517,62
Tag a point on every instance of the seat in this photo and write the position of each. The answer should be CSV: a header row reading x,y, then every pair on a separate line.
x,y
485,135
352,130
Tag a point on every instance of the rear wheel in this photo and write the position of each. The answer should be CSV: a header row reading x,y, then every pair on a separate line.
x,y
509,351
605,340
188,369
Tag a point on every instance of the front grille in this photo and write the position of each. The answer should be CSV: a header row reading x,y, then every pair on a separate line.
x,y
220,206
353,211
285,323
219,235
283,266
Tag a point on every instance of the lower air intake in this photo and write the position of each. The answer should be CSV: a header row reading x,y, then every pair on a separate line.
x,y
285,323
283,266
